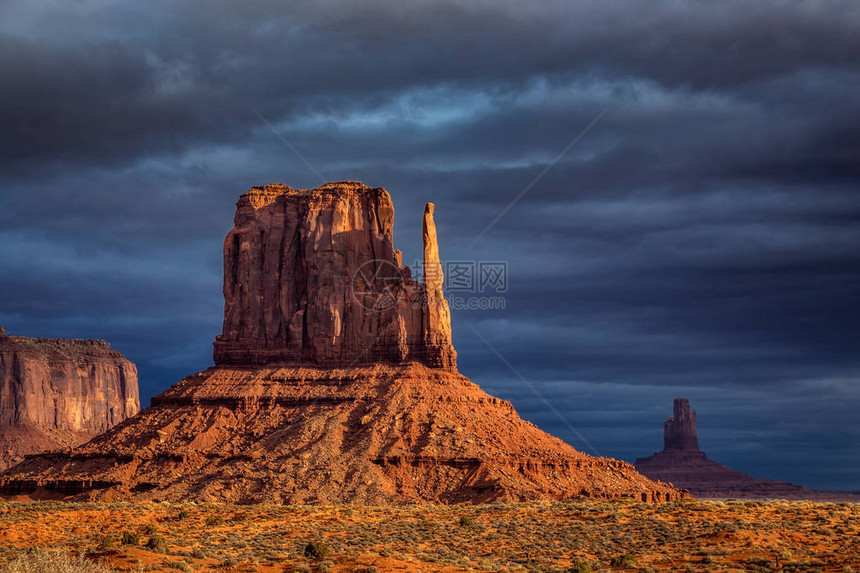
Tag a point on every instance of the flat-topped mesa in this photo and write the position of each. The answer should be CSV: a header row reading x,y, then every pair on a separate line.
x,y
58,392
312,277
679,430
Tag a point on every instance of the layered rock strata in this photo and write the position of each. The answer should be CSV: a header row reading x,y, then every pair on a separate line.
x,y
58,393
335,381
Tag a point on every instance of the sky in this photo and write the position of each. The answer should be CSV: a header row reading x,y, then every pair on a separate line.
x,y
673,184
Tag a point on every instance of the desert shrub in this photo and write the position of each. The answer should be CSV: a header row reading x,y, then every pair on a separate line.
x,y
317,550
198,553
214,521
129,538
150,529
183,514
623,561
802,566
157,543
55,562
579,566
105,543
180,565
467,522
759,564
326,566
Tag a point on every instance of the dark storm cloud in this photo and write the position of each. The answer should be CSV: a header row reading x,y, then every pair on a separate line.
x,y
117,81
700,240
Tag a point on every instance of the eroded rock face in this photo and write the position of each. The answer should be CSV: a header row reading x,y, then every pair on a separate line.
x,y
57,393
312,277
682,463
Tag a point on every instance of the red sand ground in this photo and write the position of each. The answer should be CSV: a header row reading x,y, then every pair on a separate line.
x,y
535,536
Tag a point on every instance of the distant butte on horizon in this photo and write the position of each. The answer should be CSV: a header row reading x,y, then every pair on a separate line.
x,y
683,464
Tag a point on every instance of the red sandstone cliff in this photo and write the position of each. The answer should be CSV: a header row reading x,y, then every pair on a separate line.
x,y
312,276
57,393
335,381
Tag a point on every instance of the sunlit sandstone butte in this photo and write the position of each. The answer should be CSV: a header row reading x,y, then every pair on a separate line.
x,y
58,393
290,267
334,381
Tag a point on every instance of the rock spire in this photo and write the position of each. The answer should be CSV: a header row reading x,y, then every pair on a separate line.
x,y
679,430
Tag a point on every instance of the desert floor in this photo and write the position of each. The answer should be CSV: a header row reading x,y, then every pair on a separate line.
x,y
539,536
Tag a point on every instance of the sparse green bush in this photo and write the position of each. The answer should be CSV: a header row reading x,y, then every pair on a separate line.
x,y
157,543
129,538
623,561
579,566
467,522
214,521
759,564
317,550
